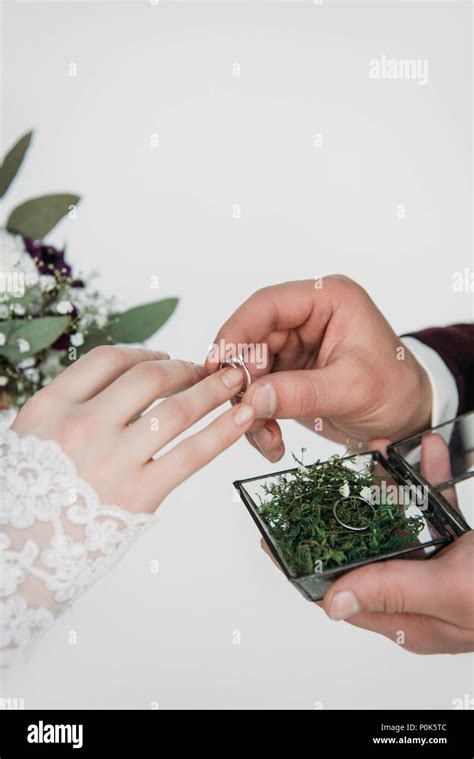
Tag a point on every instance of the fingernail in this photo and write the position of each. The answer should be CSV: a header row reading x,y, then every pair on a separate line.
x,y
243,414
161,355
264,401
263,439
344,605
275,456
232,377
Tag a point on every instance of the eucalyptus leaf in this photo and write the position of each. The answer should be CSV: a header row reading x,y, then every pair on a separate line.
x,y
36,217
94,338
139,323
39,334
12,162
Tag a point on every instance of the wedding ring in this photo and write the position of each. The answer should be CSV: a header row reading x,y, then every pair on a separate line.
x,y
349,526
239,363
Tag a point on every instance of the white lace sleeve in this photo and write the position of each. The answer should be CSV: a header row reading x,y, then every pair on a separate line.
x,y
56,538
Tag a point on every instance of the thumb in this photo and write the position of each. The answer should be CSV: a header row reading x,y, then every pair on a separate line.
x,y
392,587
302,393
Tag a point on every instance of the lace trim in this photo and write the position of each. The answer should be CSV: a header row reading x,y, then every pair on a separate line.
x,y
56,538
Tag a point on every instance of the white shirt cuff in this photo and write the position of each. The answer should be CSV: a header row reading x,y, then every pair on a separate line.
x,y
443,384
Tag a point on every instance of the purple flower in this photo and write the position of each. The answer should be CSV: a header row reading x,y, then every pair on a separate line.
x,y
50,260
62,343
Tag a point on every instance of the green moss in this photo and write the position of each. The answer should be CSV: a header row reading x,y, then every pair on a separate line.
x,y
298,510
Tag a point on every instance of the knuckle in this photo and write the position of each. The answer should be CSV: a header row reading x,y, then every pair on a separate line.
x,y
350,286
389,592
343,279
149,373
267,297
109,354
305,397
189,370
194,449
164,375
263,292
181,412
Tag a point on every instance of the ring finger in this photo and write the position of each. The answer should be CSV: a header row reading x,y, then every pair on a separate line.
x,y
160,425
145,383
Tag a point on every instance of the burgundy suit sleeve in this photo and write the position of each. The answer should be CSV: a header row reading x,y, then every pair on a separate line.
x,y
455,345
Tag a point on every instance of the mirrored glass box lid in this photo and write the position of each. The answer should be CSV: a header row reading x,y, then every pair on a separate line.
x,y
409,503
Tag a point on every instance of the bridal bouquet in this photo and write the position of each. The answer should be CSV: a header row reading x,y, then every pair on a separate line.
x,y
49,316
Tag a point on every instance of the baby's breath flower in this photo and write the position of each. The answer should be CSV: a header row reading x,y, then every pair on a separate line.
x,y
33,374
23,345
27,363
18,309
345,490
15,258
3,338
3,381
51,364
47,282
77,339
64,307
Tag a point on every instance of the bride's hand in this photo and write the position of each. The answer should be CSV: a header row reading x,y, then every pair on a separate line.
x,y
92,410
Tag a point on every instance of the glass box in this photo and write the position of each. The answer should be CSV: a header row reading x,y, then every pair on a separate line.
x,y
433,472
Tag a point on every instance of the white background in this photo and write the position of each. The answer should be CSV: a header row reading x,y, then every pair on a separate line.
x,y
223,140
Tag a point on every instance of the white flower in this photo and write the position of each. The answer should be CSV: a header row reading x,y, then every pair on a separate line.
x,y
15,259
52,366
33,374
3,311
303,469
26,363
18,309
366,494
64,307
3,338
47,282
3,381
77,339
23,345
345,490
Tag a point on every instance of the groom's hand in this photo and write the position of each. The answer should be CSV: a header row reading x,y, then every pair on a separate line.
x,y
321,351
425,606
